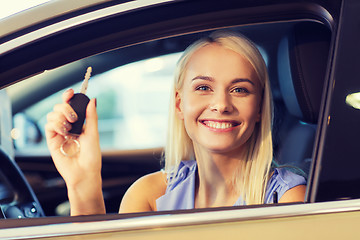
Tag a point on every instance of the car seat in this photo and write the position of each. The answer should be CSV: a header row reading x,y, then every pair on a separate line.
x,y
302,64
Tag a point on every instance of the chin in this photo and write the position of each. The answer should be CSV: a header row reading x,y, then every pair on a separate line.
x,y
224,149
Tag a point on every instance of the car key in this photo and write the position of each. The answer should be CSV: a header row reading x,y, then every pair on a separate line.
x,y
79,103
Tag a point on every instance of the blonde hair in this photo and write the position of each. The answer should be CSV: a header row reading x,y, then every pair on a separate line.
x,y
252,175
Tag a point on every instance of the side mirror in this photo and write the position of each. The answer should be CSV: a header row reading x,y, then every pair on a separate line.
x,y
26,131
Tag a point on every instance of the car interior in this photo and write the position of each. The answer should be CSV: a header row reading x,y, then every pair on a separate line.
x,y
17,197
296,53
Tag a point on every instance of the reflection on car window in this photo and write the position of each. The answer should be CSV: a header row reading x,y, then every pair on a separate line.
x,y
132,104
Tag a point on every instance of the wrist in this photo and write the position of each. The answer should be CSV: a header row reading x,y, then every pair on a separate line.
x,y
86,197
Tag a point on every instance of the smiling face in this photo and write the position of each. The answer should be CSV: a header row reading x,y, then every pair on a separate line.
x,y
220,99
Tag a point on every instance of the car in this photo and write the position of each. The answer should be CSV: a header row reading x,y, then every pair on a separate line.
x,y
311,50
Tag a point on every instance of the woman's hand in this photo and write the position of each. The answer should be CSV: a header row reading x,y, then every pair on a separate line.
x,y
82,171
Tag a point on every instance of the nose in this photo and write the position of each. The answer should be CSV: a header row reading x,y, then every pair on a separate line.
x,y
221,102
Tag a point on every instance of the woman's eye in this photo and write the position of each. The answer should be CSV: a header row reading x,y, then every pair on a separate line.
x,y
203,88
240,90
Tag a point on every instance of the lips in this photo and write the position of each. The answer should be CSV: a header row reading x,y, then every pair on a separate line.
x,y
220,125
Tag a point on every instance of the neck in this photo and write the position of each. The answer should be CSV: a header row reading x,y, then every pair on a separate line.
x,y
214,185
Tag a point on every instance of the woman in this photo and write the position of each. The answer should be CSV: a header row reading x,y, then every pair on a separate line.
x,y
219,148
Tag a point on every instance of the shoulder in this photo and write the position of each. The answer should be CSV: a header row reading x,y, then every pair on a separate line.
x,y
287,178
142,194
295,194
290,186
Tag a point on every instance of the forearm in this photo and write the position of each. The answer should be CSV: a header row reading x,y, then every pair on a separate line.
x,y
87,198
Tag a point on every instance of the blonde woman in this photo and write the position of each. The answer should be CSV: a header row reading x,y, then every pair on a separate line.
x,y
219,147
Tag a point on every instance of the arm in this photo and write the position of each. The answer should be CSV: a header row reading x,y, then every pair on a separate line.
x,y
295,194
82,172
142,195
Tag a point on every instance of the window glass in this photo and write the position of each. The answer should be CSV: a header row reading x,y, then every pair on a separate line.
x,y
132,104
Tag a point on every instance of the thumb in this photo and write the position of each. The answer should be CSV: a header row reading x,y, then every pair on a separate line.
x,y
91,126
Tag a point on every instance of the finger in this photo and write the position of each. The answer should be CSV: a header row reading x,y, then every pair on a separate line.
x,y
53,139
51,133
56,116
67,95
58,127
58,123
68,112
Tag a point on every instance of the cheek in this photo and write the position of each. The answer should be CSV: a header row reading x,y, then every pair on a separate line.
x,y
250,110
189,111
186,105
192,105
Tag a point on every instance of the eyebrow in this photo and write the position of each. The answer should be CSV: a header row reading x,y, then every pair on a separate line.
x,y
236,80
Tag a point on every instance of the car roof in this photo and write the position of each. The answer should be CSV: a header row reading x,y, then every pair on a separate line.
x,y
52,17
42,13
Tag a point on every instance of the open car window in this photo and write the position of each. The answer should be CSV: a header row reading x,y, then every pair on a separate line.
x,y
132,106
132,87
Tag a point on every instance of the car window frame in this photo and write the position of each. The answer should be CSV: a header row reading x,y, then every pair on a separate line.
x,y
330,22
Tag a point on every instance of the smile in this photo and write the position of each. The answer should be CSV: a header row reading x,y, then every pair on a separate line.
x,y
222,125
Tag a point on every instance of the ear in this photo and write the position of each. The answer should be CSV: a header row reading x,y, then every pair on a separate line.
x,y
178,105
258,117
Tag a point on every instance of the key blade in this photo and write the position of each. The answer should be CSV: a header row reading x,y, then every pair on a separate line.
x,y
85,83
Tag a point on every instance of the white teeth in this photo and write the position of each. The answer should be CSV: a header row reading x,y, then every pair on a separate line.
x,y
218,125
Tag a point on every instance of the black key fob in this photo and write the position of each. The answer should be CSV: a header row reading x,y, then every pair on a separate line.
x,y
79,103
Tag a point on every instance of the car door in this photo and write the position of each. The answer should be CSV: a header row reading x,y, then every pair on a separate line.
x,y
264,22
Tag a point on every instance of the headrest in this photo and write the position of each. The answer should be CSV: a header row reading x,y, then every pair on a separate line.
x,y
302,64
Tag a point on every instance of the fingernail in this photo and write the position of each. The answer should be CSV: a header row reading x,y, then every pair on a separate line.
x,y
67,125
73,116
64,131
95,102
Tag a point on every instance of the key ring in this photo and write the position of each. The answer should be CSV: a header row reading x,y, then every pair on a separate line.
x,y
67,146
